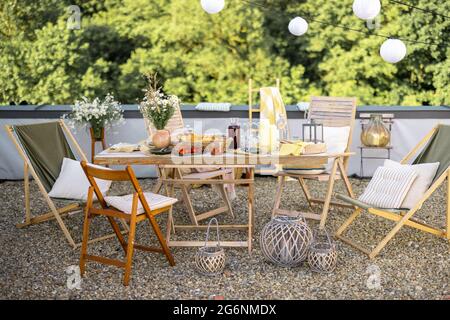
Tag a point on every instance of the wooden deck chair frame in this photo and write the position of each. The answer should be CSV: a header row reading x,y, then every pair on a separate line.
x,y
403,217
177,122
334,112
111,213
55,213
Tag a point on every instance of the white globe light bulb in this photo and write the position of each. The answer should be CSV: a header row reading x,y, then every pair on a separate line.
x,y
212,6
393,50
298,26
366,9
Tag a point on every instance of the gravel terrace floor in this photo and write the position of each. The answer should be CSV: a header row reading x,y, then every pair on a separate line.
x,y
34,260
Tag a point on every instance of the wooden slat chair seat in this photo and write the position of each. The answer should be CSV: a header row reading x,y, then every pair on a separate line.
x,y
436,150
330,112
136,209
177,123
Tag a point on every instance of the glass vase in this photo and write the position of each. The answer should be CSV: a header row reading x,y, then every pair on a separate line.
x,y
375,133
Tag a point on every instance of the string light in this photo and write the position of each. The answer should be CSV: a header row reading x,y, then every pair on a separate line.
x,y
366,9
312,18
393,50
212,6
298,26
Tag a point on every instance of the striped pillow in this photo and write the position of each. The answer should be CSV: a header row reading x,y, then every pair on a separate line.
x,y
388,187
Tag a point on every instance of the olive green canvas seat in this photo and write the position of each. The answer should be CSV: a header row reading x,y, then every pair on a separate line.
x,y
434,147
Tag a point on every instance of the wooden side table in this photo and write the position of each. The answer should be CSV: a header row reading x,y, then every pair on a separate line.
x,y
94,140
362,148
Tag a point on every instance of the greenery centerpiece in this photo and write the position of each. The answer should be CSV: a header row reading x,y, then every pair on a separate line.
x,y
158,108
97,113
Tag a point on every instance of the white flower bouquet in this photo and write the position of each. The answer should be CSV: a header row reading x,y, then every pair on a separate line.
x,y
97,113
157,107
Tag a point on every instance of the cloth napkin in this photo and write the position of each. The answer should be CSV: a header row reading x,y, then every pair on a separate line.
x,y
294,148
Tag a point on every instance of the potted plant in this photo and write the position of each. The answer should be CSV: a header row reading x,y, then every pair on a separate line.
x,y
97,114
158,108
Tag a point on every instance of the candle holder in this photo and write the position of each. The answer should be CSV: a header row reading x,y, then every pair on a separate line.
x,y
313,128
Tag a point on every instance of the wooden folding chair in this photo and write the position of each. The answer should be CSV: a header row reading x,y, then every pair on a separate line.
x,y
436,150
330,112
36,142
132,213
176,122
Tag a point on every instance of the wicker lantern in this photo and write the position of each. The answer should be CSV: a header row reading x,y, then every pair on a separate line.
x,y
322,256
210,260
285,240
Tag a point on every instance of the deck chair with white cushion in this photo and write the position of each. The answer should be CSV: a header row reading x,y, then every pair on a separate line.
x,y
337,115
43,147
176,123
436,152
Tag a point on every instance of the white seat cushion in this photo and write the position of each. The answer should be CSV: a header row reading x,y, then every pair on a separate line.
x,y
388,187
73,184
124,203
425,175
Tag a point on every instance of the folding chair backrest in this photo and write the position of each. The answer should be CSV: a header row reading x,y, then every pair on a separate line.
x,y
174,123
112,175
437,150
46,146
334,112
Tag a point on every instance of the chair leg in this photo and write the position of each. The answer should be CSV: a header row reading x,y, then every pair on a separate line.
x,y
448,206
26,181
347,222
118,233
225,198
326,204
279,192
392,233
161,239
129,249
306,192
87,220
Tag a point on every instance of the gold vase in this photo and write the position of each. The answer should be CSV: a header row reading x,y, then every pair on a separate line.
x,y
375,133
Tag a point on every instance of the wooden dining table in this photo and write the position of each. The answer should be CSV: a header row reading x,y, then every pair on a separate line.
x,y
166,163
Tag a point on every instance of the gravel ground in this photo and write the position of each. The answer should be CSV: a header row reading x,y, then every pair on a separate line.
x,y
34,260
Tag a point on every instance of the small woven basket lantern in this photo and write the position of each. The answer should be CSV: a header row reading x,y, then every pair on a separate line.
x,y
322,256
210,260
285,240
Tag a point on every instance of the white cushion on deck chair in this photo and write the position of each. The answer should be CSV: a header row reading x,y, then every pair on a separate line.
x,y
425,175
73,184
124,203
388,187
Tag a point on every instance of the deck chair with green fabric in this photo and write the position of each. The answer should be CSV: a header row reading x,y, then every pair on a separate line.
x,y
434,147
43,146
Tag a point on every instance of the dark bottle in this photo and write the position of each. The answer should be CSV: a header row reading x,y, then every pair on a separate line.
x,y
234,132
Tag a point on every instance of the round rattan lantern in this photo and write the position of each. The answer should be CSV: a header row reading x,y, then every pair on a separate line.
x,y
285,240
210,260
322,255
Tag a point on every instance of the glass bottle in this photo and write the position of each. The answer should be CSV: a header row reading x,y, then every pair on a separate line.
x,y
234,132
